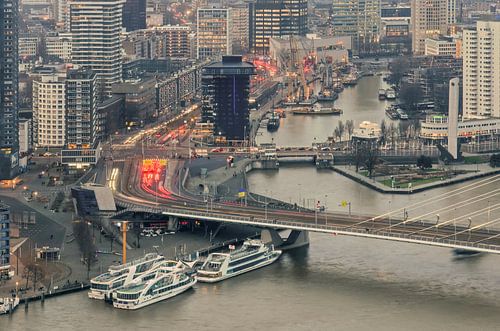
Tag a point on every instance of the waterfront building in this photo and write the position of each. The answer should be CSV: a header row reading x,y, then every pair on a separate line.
x,y
96,26
81,119
226,88
443,46
430,18
213,32
49,98
9,59
435,128
481,70
134,15
275,18
359,19
167,41
4,241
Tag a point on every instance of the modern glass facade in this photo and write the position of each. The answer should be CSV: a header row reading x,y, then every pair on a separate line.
x,y
226,88
275,18
134,15
9,136
4,240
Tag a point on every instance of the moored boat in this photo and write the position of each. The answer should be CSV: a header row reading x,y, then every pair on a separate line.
x,y
8,305
317,110
462,253
102,286
381,94
252,255
390,94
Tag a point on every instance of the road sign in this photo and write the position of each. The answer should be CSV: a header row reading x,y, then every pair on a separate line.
x,y
241,194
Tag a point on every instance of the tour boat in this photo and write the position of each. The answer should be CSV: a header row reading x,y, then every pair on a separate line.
x,y
253,254
390,94
153,287
7,305
102,286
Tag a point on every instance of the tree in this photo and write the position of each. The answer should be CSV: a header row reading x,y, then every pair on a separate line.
x,y
392,133
411,95
34,272
383,131
398,69
349,126
85,243
371,156
339,130
424,162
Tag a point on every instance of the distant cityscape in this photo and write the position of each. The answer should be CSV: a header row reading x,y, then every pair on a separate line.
x,y
116,112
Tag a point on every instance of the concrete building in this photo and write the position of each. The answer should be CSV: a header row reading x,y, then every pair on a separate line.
x,y
82,125
96,26
29,45
444,46
240,32
9,59
435,128
430,18
49,110
275,18
139,95
134,15
213,32
4,241
59,45
25,141
167,41
481,70
226,88
359,19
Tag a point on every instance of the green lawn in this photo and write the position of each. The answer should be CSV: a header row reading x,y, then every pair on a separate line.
x,y
474,159
387,182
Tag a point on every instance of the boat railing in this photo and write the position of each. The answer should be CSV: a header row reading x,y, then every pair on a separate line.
x,y
147,257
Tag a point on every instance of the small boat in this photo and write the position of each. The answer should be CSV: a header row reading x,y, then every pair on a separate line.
x,y
273,123
462,253
252,255
382,94
392,113
317,110
402,115
7,305
390,94
155,286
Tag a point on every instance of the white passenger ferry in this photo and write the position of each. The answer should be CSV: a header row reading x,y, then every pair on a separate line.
x,y
102,286
155,286
7,305
252,255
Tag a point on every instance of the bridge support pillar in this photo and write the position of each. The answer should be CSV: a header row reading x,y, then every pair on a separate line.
x,y
173,223
294,240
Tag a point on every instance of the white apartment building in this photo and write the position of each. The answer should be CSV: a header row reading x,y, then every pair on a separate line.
x,y
49,105
214,31
443,46
59,45
430,18
481,70
28,46
240,32
95,26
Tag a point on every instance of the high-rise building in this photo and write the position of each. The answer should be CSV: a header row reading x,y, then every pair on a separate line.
x,y
481,70
226,88
82,122
359,19
275,18
9,136
240,20
430,18
49,108
4,241
134,15
214,33
95,27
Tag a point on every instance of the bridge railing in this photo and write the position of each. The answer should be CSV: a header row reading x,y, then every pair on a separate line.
x,y
365,232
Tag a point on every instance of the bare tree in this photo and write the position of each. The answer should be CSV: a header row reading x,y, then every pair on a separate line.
x,y
392,133
371,153
34,272
349,126
85,243
383,131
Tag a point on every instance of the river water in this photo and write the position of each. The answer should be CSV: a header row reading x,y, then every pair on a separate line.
x,y
337,283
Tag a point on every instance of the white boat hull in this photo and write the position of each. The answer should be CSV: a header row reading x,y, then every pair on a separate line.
x,y
226,276
150,300
9,305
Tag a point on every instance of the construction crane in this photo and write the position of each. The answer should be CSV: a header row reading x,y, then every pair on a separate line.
x,y
296,72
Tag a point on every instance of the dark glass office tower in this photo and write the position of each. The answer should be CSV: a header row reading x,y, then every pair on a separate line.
x,y
9,135
134,15
275,18
226,87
